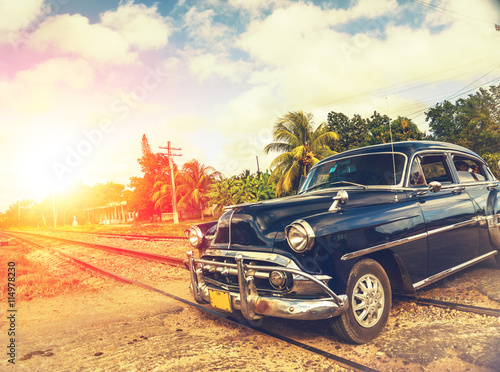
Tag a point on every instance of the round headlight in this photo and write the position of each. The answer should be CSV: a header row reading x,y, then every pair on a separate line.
x,y
195,236
300,236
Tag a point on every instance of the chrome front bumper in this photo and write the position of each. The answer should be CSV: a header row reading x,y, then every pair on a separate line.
x,y
253,306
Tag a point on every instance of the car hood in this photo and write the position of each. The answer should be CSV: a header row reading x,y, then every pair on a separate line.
x,y
256,226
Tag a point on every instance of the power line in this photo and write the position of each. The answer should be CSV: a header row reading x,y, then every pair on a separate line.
x,y
420,112
454,14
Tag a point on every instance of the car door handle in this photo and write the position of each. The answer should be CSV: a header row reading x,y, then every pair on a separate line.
x,y
458,190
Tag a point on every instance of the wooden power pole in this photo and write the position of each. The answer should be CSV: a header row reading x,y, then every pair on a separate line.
x,y
172,179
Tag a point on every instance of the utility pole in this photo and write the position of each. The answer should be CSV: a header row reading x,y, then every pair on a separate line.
x,y
172,179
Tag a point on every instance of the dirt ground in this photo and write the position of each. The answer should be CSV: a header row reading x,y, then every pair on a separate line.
x,y
122,327
110,326
127,328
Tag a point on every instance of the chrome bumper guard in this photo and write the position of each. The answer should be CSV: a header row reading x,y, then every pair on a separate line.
x,y
253,306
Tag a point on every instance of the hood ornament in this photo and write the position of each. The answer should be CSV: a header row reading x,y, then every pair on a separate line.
x,y
341,199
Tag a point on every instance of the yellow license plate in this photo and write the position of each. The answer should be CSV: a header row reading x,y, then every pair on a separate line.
x,y
220,300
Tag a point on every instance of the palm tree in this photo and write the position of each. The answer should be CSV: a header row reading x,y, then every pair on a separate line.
x,y
194,184
162,189
162,197
301,147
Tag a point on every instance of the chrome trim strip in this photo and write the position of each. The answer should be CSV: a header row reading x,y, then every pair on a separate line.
x,y
365,251
263,256
394,243
445,273
230,269
229,229
474,221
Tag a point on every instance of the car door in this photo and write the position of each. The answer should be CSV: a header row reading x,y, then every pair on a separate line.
x,y
449,214
477,182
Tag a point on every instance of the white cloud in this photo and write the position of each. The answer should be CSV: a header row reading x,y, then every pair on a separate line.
x,y
39,86
299,54
16,15
201,27
143,27
213,66
80,38
117,39
74,73
363,9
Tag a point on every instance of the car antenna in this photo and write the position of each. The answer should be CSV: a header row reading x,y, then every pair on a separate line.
x,y
392,151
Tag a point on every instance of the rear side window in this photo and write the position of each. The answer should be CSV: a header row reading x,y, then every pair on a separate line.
x,y
469,170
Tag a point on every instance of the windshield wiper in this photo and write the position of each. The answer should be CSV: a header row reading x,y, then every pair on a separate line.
x,y
335,183
350,183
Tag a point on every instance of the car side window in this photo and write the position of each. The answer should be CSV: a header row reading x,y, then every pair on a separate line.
x,y
416,173
469,170
435,168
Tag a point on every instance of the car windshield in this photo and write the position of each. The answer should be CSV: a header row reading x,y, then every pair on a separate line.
x,y
360,171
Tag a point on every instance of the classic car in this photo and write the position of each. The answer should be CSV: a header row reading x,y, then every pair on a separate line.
x,y
366,223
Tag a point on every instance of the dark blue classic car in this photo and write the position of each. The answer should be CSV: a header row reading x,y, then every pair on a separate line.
x,y
365,223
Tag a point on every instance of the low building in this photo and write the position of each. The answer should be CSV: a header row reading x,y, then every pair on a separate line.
x,y
112,213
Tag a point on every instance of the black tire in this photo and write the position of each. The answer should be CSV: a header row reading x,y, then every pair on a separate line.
x,y
370,298
497,259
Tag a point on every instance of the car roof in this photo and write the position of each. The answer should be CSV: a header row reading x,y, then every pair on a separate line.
x,y
406,147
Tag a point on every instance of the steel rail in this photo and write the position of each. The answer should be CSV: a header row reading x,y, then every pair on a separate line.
x,y
448,305
125,236
129,252
230,319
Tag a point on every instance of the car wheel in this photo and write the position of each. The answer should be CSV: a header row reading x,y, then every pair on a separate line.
x,y
370,297
497,259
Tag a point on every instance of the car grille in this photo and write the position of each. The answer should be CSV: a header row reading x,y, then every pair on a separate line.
x,y
227,278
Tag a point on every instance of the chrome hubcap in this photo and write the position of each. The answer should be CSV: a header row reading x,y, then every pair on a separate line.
x,y
368,301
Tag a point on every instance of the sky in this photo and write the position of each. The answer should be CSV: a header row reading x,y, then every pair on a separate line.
x,y
82,81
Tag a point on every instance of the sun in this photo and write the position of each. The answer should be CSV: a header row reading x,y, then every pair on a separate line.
x,y
35,165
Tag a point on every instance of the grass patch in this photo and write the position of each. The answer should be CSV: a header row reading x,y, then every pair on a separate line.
x,y
34,276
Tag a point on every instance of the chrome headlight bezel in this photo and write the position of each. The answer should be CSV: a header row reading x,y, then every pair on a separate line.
x,y
300,236
195,236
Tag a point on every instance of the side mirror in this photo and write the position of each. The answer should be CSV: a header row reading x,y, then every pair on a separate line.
x,y
342,198
435,186
492,186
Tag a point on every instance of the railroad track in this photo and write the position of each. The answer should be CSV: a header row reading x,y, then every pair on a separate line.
x,y
227,317
151,256
124,236
448,305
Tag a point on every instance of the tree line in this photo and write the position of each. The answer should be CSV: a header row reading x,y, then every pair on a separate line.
x,y
473,122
